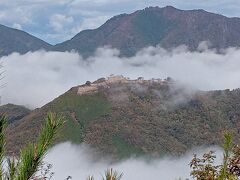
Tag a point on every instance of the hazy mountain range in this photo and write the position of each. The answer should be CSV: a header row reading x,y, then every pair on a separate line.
x,y
168,27
13,40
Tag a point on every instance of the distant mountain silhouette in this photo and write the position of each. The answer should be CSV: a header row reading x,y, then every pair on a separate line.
x,y
13,40
168,27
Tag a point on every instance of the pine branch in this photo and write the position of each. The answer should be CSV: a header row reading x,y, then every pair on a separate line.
x,y
2,144
227,148
31,157
112,175
11,168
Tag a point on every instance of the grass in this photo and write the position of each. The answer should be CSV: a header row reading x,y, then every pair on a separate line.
x,y
79,112
124,149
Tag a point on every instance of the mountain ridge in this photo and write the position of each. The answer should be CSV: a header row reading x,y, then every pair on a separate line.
x,y
14,40
167,27
122,117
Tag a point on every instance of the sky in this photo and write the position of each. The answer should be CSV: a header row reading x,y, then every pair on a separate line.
x,y
58,20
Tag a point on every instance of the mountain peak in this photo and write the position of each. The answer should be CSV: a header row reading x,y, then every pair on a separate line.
x,y
170,8
157,8
14,40
166,26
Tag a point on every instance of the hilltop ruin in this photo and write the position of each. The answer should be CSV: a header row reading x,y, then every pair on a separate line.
x,y
90,88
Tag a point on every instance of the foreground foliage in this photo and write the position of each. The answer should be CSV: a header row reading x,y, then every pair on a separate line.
x,y
29,165
30,160
110,174
205,168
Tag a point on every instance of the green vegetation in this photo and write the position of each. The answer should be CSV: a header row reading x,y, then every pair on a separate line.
x,y
110,174
128,119
30,159
124,149
79,111
86,107
150,31
205,168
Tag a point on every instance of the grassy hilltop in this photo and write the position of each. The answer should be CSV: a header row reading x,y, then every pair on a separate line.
x,y
123,117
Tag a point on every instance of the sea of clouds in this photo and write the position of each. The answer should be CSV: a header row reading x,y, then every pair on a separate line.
x,y
78,162
35,78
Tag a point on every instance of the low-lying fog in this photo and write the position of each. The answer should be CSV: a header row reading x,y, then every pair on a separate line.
x,y
36,78
77,161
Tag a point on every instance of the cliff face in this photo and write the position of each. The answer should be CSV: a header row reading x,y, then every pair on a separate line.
x,y
122,117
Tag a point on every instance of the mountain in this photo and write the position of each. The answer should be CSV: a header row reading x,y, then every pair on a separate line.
x,y
13,40
122,117
168,27
14,112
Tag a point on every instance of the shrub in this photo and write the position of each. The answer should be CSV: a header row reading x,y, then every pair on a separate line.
x,y
205,168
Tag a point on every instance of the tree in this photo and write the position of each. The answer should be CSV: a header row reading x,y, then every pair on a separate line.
x,y
30,160
205,168
31,157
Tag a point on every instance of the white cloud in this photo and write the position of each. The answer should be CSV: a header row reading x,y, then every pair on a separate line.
x,y
79,162
60,21
90,23
17,26
45,75
13,3
2,15
16,15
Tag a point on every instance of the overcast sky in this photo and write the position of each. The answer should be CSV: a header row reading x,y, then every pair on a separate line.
x,y
58,20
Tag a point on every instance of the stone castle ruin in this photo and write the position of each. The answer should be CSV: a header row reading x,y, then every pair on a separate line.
x,y
90,88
